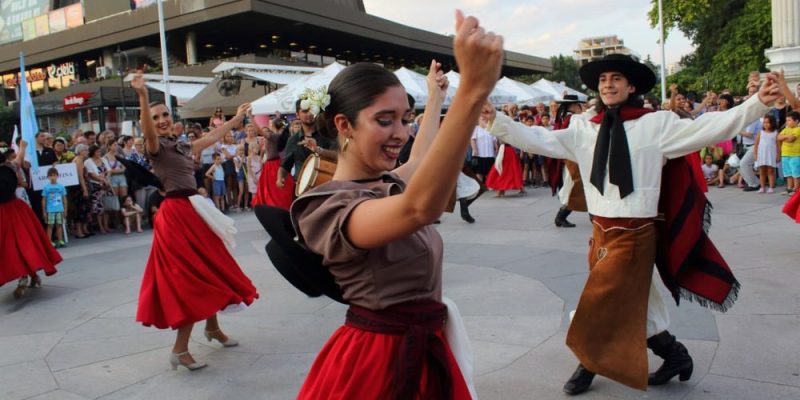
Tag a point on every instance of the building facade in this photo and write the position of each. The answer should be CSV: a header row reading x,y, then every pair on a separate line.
x,y
595,48
71,43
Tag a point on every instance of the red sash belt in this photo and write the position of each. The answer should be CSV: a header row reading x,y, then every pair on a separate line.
x,y
418,323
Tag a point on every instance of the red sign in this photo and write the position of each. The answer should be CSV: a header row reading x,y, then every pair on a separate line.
x,y
76,100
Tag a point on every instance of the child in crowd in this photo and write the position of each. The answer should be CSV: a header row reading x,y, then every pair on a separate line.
x,y
254,166
790,151
54,206
710,170
239,165
217,174
202,192
129,211
766,151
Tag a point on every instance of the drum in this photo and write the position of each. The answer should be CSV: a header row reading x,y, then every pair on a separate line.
x,y
315,171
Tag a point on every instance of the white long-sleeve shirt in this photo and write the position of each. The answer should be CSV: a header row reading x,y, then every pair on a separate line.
x,y
652,140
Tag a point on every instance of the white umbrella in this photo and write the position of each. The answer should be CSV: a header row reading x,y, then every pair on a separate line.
x,y
417,86
497,97
283,99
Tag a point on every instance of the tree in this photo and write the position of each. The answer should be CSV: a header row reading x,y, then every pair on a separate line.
x,y
730,38
565,69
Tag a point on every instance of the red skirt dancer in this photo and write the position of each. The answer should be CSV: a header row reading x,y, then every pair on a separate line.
x,y
792,207
397,353
24,245
268,191
511,177
190,274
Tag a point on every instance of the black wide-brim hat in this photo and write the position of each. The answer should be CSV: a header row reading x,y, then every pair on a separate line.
x,y
301,267
8,184
638,74
569,98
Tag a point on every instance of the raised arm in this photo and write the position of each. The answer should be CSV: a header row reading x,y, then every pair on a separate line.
x,y
145,118
791,99
531,139
375,223
683,136
437,91
215,135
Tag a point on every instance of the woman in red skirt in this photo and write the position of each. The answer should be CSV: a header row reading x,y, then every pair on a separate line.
x,y
190,274
269,193
506,173
24,245
792,207
373,227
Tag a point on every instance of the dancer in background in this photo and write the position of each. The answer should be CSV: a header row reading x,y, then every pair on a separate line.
x,y
24,245
190,275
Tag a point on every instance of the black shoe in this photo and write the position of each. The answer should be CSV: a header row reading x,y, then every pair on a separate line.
x,y
677,360
579,382
561,218
750,188
465,211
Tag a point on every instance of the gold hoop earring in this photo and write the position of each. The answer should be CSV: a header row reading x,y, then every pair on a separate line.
x,y
344,146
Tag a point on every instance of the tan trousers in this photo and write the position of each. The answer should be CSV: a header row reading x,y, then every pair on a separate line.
x,y
609,331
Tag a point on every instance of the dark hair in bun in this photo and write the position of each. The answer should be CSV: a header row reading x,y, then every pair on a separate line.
x,y
352,90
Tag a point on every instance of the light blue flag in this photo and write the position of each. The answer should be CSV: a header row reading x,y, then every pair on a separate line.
x,y
29,125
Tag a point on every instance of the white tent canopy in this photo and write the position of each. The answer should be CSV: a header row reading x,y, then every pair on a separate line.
x,y
283,99
417,86
278,74
556,89
525,94
183,88
497,97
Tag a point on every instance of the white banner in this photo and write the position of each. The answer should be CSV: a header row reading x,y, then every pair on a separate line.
x,y
67,175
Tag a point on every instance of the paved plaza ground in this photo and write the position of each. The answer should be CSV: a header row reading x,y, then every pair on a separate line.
x,y
513,274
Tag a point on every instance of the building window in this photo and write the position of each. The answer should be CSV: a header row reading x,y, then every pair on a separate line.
x,y
63,3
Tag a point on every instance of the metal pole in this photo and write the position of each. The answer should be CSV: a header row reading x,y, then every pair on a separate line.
x,y
164,61
663,56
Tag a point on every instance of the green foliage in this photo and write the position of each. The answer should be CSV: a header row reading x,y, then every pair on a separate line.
x,y
730,38
565,69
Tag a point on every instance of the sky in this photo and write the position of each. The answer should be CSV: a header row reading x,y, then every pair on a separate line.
x,y
541,28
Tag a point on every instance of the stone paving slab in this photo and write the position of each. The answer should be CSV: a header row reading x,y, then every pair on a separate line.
x,y
513,274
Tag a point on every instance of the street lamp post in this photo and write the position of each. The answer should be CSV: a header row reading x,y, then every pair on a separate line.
x,y
663,56
164,61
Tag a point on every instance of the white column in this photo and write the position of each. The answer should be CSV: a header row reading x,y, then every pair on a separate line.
x,y
191,48
785,51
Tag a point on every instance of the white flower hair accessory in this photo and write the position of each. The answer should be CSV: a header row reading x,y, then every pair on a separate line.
x,y
315,100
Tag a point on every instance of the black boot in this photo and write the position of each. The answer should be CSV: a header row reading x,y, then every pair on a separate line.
x,y
579,382
677,360
561,218
465,211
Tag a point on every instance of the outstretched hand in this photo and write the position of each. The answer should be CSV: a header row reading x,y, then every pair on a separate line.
x,y
771,89
479,55
437,81
138,84
243,110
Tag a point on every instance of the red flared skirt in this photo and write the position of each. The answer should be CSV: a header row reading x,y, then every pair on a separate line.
x,y
190,274
511,178
356,364
24,245
268,191
792,207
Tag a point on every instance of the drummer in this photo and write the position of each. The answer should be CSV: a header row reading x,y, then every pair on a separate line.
x,y
307,141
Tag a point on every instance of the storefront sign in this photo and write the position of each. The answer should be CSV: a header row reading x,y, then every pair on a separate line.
x,y
76,100
66,69
67,175
34,75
